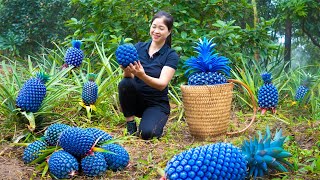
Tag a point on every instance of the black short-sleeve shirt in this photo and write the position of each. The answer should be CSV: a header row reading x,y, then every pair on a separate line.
x,y
152,67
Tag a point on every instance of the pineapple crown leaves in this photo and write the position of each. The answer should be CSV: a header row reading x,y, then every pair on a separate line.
x,y
264,152
76,44
43,77
92,76
266,77
207,60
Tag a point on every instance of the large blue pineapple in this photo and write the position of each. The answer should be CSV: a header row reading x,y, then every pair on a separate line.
x,y
267,94
227,162
77,141
208,68
32,93
52,134
99,135
33,151
118,159
126,54
63,165
94,164
90,91
74,54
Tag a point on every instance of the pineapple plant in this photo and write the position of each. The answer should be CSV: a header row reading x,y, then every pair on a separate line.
x,y
303,89
90,90
77,141
74,55
53,132
226,161
126,53
118,159
32,93
208,68
63,165
94,164
99,135
267,94
33,151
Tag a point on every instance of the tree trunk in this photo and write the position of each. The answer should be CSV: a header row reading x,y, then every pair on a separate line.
x,y
255,22
287,44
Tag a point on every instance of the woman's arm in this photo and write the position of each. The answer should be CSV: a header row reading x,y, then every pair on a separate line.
x,y
158,83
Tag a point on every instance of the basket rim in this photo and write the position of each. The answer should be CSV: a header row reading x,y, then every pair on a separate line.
x,y
207,85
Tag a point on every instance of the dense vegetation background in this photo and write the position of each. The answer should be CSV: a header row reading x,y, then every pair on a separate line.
x,y
279,36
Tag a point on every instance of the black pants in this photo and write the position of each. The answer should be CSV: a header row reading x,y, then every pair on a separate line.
x,y
153,117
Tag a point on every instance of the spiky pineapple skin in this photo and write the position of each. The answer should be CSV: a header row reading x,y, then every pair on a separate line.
x,y
268,96
89,93
31,95
62,164
98,133
53,132
74,55
76,141
33,150
214,161
126,54
301,92
117,161
210,78
94,165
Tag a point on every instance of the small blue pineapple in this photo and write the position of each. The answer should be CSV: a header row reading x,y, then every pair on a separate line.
x,y
94,164
77,141
33,151
32,93
208,68
117,161
74,55
90,90
303,89
228,162
99,134
126,54
52,134
63,165
267,94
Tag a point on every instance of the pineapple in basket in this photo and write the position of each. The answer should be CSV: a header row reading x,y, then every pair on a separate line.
x,y
208,68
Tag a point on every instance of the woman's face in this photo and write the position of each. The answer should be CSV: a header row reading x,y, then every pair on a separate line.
x,y
159,31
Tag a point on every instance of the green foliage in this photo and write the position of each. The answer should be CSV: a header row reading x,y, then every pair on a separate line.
x,y
24,24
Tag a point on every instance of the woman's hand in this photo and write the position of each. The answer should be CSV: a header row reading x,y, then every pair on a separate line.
x,y
126,72
136,69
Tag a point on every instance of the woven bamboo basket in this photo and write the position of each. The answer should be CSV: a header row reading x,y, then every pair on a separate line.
x,y
208,109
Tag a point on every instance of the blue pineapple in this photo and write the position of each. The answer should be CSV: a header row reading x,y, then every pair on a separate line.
x,y
117,161
267,94
52,134
207,68
126,54
90,91
74,55
99,134
63,165
33,151
32,93
77,141
94,164
226,161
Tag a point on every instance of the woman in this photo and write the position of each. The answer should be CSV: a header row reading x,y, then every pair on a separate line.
x,y
143,92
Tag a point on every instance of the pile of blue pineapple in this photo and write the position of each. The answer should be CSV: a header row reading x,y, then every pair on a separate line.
x,y
76,152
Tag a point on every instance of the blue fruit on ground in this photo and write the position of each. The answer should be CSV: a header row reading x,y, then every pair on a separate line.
x,y
99,135
63,165
77,141
94,164
118,159
33,151
268,95
53,132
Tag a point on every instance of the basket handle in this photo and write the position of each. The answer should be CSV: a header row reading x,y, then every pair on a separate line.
x,y
253,104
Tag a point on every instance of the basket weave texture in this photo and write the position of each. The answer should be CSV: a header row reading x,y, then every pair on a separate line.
x,y
207,108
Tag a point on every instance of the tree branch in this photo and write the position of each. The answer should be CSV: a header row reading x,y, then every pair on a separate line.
x,y
313,39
